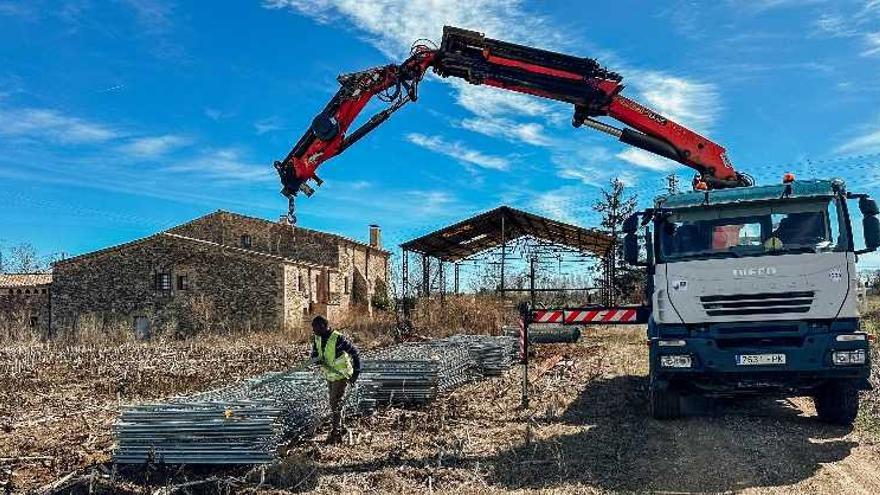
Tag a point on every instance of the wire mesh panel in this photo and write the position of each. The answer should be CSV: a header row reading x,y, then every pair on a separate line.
x,y
244,423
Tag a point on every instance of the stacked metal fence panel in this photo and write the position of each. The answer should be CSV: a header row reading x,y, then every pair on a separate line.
x,y
247,421
491,355
242,423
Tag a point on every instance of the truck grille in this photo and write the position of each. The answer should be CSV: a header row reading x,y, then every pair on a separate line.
x,y
765,303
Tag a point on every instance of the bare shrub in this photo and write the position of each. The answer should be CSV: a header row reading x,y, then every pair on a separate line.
x,y
464,313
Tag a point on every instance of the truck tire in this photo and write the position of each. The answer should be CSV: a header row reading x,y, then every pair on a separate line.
x,y
837,403
665,404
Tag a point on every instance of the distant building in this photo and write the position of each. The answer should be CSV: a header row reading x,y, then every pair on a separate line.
x,y
24,303
221,271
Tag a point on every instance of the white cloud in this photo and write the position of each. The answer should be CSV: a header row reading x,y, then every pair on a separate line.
x,y
526,132
854,20
268,125
758,6
872,44
223,164
216,114
41,124
393,25
154,146
691,103
867,142
486,101
429,201
458,151
644,159
836,26
155,16
569,204
585,175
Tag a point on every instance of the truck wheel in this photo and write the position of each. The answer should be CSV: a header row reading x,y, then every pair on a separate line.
x,y
665,404
837,403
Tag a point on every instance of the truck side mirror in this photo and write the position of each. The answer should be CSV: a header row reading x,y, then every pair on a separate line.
x,y
871,230
631,248
868,206
631,224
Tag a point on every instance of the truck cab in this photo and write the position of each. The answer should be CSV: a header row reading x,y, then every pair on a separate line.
x,y
754,290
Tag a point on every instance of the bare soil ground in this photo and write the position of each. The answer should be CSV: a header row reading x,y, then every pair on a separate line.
x,y
58,403
587,431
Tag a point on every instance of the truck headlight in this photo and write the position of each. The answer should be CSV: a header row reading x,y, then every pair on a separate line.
x,y
675,361
844,358
851,337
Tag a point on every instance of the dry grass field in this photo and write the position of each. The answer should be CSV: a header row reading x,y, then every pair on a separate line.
x,y
587,430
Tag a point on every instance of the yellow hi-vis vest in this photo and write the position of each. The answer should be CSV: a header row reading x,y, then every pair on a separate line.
x,y
334,368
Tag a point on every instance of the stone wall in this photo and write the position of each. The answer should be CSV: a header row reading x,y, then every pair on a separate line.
x,y
24,312
276,276
361,271
116,290
326,291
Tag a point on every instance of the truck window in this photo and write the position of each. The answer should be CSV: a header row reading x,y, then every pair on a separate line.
x,y
785,227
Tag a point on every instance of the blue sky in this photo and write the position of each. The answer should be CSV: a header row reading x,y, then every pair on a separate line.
x,y
118,119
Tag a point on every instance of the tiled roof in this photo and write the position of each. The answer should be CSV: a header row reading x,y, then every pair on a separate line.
x,y
327,235
168,233
24,279
233,249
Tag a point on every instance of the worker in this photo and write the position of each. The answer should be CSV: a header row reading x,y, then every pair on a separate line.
x,y
341,363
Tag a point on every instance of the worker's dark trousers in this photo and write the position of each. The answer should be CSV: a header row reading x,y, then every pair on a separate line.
x,y
337,393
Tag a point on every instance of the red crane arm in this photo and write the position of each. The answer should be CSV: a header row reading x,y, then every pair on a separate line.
x,y
328,135
593,90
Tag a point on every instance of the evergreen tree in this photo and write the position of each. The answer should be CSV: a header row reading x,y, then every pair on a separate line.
x,y
615,206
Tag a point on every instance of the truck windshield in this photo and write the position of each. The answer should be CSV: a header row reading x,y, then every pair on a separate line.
x,y
761,229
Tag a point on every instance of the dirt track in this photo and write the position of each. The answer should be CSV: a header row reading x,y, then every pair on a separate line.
x,y
590,432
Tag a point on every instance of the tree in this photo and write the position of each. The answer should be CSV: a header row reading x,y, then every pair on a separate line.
x,y
23,258
615,206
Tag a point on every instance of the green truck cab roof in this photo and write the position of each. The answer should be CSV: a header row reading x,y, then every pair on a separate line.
x,y
799,189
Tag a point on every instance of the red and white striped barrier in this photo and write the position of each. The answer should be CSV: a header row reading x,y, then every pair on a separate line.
x,y
586,316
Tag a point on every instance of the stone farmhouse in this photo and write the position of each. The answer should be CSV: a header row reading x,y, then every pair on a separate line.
x,y
222,271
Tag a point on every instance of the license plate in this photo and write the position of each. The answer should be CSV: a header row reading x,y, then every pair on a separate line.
x,y
759,359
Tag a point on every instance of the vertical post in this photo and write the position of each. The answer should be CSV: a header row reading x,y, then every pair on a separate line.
x,y
503,253
442,283
532,297
525,318
426,276
405,296
457,266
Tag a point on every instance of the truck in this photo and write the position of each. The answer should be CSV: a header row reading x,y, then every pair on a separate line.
x,y
755,291
750,289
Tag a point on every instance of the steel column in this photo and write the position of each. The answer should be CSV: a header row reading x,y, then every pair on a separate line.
x,y
426,276
442,277
503,252
405,263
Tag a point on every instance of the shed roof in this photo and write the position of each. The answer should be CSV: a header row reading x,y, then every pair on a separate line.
x,y
8,280
484,231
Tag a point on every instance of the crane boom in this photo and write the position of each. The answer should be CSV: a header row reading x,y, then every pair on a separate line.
x,y
593,90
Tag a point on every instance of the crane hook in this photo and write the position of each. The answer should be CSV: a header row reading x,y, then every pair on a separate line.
x,y
291,210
